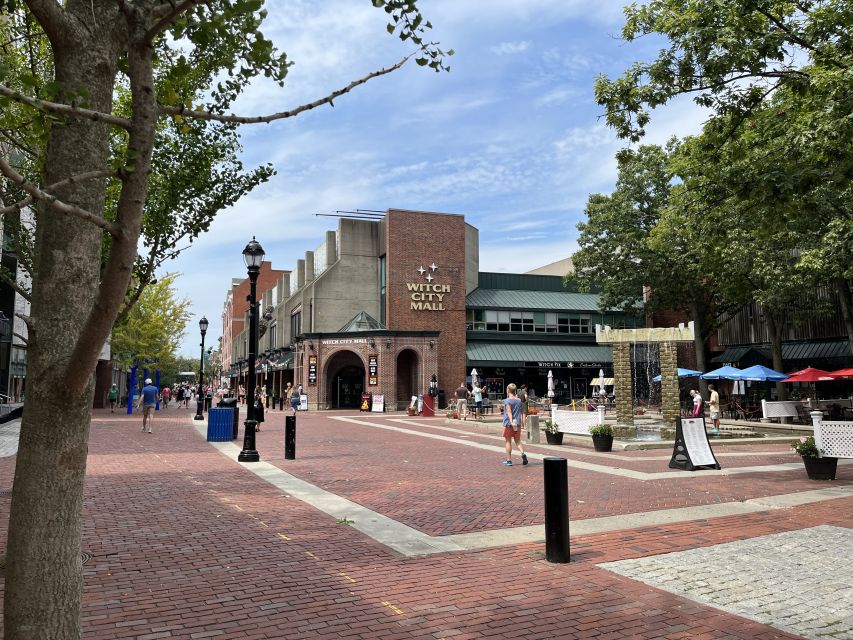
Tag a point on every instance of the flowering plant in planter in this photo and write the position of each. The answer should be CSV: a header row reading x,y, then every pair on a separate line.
x,y
551,426
806,447
601,430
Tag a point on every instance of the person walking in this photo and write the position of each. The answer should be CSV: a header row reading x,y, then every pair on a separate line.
x,y
294,399
112,395
148,400
462,395
512,425
259,410
523,396
697,403
714,408
477,392
167,395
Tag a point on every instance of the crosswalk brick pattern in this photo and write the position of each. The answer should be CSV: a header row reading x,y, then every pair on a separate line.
x,y
187,544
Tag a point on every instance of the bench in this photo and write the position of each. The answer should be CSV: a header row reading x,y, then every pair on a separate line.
x,y
488,407
834,439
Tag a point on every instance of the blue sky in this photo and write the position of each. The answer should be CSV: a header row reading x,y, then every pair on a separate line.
x,y
511,137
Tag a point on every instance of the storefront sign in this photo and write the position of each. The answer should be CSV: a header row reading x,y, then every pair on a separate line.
x,y
563,365
312,370
333,341
427,297
372,371
378,403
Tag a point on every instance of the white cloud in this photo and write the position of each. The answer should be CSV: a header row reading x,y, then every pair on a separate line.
x,y
510,48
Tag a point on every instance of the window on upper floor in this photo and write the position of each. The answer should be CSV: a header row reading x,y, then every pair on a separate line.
x,y
295,323
527,321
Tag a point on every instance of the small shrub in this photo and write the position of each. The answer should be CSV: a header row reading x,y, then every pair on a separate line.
x,y
601,430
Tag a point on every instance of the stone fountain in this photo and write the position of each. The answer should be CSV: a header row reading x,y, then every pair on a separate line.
x,y
621,341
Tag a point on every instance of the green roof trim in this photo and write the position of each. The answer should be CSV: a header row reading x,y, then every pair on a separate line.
x,y
520,282
530,300
516,354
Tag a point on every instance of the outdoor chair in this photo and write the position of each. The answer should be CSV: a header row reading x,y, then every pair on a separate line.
x,y
743,412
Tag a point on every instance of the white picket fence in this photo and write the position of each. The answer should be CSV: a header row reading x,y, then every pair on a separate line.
x,y
576,422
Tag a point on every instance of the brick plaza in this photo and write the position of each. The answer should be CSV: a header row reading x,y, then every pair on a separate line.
x,y
394,527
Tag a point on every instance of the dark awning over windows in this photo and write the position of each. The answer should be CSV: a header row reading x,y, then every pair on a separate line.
x,y
486,354
801,352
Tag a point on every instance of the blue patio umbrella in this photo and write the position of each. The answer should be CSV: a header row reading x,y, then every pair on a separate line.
x,y
682,373
724,373
759,373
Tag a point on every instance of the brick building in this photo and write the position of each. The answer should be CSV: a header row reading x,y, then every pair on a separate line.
x,y
387,302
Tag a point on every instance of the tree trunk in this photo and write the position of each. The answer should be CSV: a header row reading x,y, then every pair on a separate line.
x,y
699,337
845,301
774,331
43,572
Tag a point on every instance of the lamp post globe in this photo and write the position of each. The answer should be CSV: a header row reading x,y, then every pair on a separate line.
x,y
199,408
253,256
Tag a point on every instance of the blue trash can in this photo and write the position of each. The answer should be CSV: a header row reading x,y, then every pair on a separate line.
x,y
219,425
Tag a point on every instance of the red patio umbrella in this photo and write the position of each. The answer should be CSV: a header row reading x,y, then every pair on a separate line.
x,y
842,373
810,374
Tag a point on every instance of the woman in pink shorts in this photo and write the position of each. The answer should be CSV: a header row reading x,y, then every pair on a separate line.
x,y
512,418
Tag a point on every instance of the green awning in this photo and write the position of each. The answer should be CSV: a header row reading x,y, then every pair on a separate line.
x,y
520,354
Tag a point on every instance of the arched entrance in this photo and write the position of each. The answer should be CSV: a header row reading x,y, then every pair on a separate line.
x,y
345,381
407,377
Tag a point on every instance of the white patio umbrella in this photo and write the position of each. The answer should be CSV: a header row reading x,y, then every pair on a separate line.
x,y
550,384
473,376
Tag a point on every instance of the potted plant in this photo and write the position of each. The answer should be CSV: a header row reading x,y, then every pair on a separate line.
x,y
602,437
552,434
817,467
412,411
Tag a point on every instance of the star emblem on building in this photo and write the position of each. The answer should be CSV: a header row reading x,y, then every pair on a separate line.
x,y
429,278
421,270
433,267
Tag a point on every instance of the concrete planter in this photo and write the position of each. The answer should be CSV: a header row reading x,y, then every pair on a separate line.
x,y
821,468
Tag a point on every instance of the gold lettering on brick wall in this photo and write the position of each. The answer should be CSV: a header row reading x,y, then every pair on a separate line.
x,y
427,297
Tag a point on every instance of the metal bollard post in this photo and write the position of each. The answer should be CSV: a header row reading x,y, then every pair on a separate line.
x,y
290,438
556,509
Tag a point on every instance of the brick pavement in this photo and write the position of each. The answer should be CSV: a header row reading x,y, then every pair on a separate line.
x,y
441,488
187,544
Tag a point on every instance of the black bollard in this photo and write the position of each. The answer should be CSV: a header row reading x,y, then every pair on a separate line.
x,y
556,510
290,438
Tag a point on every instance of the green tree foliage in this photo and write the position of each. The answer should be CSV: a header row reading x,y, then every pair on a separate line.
x,y
730,55
154,326
626,250
766,187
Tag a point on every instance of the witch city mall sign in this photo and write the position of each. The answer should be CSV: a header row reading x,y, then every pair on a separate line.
x,y
426,296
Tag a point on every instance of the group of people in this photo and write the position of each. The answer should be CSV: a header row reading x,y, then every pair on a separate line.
x,y
183,393
713,404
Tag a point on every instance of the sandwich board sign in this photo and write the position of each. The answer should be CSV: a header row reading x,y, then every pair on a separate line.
x,y
692,450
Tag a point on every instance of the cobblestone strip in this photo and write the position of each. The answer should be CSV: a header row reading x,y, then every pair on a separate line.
x,y
9,433
799,581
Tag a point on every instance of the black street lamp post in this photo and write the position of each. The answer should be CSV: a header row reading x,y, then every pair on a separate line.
x,y
199,409
253,256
